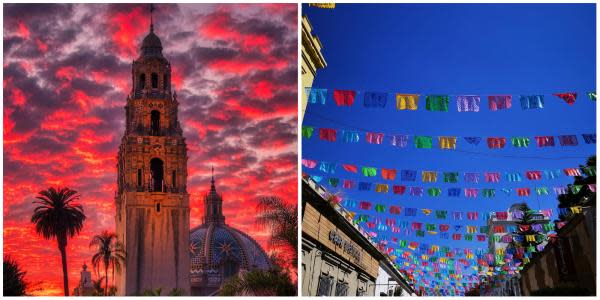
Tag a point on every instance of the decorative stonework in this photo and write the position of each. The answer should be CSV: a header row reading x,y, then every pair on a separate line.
x,y
152,202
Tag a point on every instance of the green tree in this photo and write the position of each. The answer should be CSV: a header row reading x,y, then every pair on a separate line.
x,y
158,292
584,196
525,230
176,292
152,292
282,219
272,282
14,278
57,216
109,252
98,290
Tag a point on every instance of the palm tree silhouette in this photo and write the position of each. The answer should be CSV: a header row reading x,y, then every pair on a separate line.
x,y
110,252
57,216
282,219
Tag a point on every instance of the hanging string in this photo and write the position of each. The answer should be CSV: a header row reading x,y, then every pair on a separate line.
x,y
490,154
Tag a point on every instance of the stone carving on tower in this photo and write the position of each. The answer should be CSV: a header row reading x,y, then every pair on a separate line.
x,y
152,203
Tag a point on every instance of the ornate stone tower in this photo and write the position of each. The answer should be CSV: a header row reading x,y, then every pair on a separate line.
x,y
152,203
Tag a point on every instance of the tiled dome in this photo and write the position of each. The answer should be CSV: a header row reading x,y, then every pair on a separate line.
x,y
219,251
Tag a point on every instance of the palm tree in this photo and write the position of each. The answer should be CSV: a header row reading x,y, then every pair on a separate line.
x,y
57,216
110,252
272,282
14,278
152,292
97,286
282,219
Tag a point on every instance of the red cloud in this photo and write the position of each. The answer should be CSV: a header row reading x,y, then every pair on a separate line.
x,y
263,89
127,30
244,66
23,31
72,139
221,26
41,45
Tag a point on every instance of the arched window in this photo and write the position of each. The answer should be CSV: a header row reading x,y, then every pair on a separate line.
x,y
156,169
142,81
157,207
154,80
155,122
165,86
139,177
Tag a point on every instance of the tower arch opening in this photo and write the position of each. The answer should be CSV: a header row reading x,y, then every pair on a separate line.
x,y
156,169
155,122
142,81
154,78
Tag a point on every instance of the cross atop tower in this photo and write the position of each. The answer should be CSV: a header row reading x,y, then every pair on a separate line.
x,y
152,8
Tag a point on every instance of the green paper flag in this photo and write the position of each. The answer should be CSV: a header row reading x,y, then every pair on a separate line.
x,y
307,131
423,142
369,172
441,214
592,96
541,190
334,181
437,102
380,208
451,177
488,193
434,192
520,142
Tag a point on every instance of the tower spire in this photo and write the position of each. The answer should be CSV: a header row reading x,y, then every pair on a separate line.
x,y
152,8
212,179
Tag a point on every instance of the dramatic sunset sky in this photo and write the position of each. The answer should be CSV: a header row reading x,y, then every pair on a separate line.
x,y
67,71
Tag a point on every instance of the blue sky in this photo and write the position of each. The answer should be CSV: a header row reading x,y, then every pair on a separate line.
x,y
456,49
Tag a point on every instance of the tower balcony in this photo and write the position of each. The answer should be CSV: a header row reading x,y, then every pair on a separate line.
x,y
150,93
151,188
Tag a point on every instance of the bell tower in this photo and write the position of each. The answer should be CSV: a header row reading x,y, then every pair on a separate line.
x,y
152,203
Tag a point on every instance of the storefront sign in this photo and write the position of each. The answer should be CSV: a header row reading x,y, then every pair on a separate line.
x,y
347,246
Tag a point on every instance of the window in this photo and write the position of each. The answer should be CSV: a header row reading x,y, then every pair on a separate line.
x,y
173,179
157,207
154,80
165,82
139,177
155,122
142,82
341,289
325,285
156,169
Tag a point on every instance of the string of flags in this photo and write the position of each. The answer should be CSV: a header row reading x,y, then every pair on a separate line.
x,y
418,191
443,142
439,103
424,262
435,269
432,176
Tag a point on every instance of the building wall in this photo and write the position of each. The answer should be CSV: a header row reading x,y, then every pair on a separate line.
x,y
320,256
312,59
569,261
156,243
